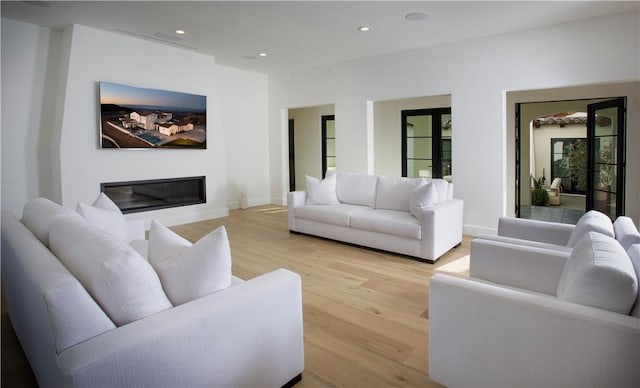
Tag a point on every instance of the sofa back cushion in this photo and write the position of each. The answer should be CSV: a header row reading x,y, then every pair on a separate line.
x,y
356,189
599,273
393,193
122,282
626,232
39,214
634,255
591,221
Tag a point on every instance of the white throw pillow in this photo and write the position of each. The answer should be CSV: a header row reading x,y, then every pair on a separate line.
x,y
599,273
421,197
107,220
634,255
591,221
104,202
442,188
321,192
122,282
187,271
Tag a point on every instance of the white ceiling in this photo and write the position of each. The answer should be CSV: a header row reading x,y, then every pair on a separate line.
x,y
302,34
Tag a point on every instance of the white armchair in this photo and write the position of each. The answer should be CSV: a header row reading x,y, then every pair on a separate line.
x,y
524,326
554,191
550,235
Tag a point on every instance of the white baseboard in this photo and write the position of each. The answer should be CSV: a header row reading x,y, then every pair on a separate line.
x,y
475,230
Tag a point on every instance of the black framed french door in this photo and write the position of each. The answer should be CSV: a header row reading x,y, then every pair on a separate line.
x,y
606,129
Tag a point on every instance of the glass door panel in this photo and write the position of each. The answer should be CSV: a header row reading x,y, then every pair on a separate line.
x,y
445,147
606,133
328,144
426,143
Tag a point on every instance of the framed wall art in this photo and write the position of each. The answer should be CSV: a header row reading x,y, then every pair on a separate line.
x,y
140,118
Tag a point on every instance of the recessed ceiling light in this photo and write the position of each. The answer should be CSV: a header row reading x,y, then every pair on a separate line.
x,y
416,16
180,32
364,29
262,55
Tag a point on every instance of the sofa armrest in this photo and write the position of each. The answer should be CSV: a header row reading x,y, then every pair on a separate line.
x,y
486,335
534,230
294,199
250,334
441,227
530,268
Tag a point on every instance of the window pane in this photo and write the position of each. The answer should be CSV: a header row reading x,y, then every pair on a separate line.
x,y
331,147
331,163
419,148
606,120
419,168
418,126
331,130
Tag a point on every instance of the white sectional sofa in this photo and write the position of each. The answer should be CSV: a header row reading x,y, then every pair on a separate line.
x,y
248,333
411,216
536,313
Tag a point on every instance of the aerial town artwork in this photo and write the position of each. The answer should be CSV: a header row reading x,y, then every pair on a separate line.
x,y
133,117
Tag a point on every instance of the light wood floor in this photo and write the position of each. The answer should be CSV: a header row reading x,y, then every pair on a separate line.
x,y
365,312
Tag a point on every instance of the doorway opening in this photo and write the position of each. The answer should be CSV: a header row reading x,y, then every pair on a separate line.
x,y
569,158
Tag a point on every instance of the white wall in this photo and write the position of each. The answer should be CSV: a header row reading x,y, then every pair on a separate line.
x,y
30,71
477,74
50,120
244,118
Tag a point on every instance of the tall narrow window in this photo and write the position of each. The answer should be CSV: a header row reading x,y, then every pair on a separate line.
x,y
426,143
328,144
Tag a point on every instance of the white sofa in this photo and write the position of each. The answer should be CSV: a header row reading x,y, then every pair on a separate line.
x,y
535,315
411,216
247,334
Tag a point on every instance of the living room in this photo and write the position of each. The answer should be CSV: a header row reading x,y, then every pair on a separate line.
x,y
49,111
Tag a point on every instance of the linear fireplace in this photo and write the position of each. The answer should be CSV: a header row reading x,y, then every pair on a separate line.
x,y
138,196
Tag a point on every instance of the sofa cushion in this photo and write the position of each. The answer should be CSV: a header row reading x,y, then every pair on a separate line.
x,y
421,197
39,214
74,315
599,273
634,254
189,271
591,221
356,189
393,192
626,232
122,282
339,214
397,223
321,192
